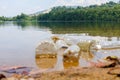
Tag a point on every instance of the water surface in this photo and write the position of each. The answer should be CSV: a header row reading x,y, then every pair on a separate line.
x,y
18,40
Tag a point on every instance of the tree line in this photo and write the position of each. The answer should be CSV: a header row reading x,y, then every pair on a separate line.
x,y
2,18
105,12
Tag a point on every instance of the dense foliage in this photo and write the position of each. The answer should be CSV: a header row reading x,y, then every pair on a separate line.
x,y
105,12
5,18
22,17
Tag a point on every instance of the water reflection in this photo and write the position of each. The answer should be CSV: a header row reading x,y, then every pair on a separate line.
x,y
70,61
45,60
50,61
108,29
93,29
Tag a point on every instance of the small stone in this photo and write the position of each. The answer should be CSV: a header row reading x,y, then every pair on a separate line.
x,y
2,76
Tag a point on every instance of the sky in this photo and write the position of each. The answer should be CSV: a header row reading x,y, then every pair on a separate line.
x,y
10,8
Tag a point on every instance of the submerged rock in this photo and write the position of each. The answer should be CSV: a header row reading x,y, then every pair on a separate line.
x,y
46,47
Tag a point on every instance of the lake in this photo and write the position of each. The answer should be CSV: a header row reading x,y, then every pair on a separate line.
x,y
18,40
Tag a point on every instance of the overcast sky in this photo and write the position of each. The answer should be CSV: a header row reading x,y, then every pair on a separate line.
x,y
14,7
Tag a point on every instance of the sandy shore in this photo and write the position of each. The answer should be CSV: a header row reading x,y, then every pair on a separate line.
x,y
86,73
78,74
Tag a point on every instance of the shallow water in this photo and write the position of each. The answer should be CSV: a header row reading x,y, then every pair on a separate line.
x,y
18,40
17,46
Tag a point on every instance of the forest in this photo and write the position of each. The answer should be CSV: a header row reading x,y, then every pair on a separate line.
x,y
105,12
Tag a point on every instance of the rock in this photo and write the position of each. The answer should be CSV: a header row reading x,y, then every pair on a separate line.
x,y
115,60
72,50
100,64
70,41
61,43
2,76
98,47
114,71
55,38
109,64
46,47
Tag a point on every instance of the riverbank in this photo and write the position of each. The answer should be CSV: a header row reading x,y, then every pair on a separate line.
x,y
78,74
86,73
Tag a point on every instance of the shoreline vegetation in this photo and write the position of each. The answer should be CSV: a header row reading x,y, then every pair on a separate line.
x,y
94,13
